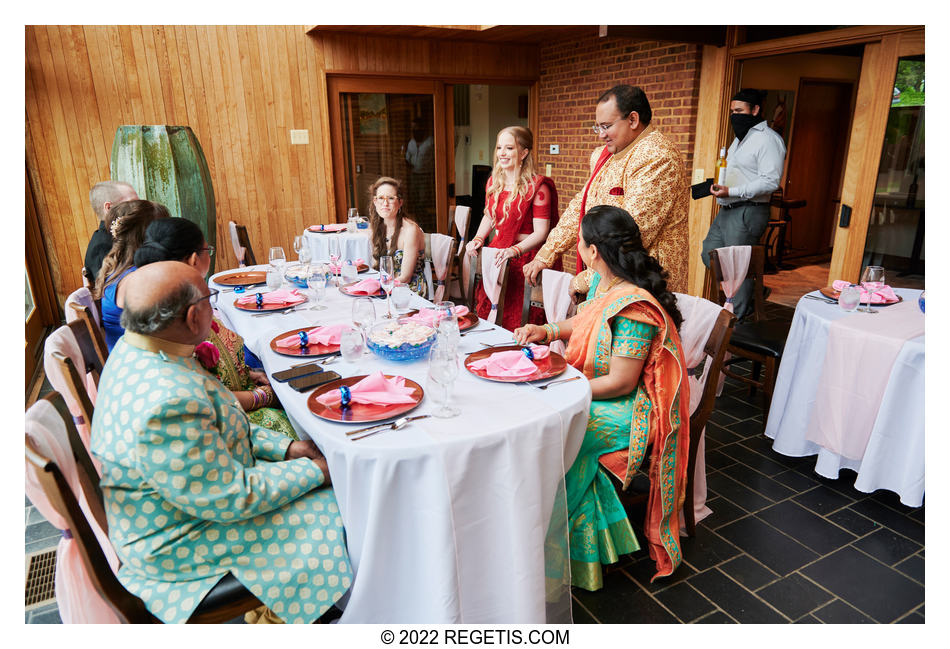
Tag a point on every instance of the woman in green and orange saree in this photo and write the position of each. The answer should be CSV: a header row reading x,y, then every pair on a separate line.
x,y
625,339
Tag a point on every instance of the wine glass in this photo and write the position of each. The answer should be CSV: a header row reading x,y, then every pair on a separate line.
x,y
387,280
333,244
277,257
443,370
351,345
447,324
872,279
849,298
298,244
364,314
317,281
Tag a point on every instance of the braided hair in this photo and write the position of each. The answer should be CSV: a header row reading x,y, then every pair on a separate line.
x,y
618,241
169,240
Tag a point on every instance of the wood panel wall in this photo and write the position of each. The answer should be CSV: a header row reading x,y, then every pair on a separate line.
x,y
240,89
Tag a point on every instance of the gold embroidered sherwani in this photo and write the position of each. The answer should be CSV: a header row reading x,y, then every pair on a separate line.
x,y
652,175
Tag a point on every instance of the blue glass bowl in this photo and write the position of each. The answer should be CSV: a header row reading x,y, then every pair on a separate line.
x,y
295,274
920,301
403,353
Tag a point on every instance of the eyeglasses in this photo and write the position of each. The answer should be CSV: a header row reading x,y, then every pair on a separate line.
x,y
386,199
210,250
212,298
602,128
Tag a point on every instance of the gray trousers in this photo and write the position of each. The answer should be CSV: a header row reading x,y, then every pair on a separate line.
x,y
739,226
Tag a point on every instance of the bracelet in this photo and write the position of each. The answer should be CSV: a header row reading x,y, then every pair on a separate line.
x,y
551,332
480,241
516,249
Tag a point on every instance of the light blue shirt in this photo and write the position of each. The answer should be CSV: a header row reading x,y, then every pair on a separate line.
x,y
754,166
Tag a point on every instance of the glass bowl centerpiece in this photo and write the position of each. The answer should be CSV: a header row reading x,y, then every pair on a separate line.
x,y
296,274
400,339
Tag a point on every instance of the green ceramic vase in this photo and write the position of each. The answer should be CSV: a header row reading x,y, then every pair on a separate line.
x,y
165,164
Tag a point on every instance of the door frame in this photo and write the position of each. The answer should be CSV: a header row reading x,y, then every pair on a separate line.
x,y
883,45
45,307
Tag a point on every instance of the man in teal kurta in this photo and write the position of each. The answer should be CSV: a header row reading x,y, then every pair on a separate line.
x,y
192,489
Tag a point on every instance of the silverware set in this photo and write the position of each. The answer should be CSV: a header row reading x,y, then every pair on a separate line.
x,y
547,385
826,300
378,428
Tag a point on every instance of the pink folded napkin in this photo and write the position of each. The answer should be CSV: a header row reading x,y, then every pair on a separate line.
x,y
432,317
375,389
274,298
328,227
329,335
884,295
335,268
366,287
512,363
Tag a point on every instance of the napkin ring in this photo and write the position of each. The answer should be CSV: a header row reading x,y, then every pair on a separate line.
x,y
527,352
239,289
344,397
304,339
260,301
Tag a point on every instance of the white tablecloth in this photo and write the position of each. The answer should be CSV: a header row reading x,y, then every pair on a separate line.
x,y
446,518
351,245
894,458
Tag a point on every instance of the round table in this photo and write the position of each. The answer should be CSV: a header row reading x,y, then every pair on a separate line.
x,y
894,456
446,519
349,245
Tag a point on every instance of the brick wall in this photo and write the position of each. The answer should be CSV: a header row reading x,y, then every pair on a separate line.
x,y
575,72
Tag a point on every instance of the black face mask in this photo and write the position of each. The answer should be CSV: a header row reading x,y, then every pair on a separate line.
x,y
742,122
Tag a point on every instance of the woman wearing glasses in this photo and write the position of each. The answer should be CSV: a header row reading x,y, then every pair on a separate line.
x,y
397,236
520,208
222,353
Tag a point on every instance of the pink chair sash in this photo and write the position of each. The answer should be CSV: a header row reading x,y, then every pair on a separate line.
x,y
82,297
491,278
555,290
699,318
77,599
63,341
462,214
441,252
235,243
734,261
859,355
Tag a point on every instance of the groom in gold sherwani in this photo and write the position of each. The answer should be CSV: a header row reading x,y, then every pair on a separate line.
x,y
638,169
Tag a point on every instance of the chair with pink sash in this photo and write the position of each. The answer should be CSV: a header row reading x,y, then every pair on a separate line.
x,y
494,279
74,373
456,282
756,339
704,335
438,262
80,306
552,294
241,244
62,483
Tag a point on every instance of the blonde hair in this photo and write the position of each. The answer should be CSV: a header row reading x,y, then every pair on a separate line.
x,y
524,140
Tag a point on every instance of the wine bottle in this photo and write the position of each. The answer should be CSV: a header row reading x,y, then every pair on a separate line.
x,y
721,167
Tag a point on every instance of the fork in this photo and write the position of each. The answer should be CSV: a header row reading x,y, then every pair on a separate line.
x,y
547,385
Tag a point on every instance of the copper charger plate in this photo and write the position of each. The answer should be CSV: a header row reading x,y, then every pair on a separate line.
x,y
313,349
242,278
343,290
548,367
830,292
267,308
361,412
316,229
467,321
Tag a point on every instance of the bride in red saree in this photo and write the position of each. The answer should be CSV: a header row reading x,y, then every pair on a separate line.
x,y
520,208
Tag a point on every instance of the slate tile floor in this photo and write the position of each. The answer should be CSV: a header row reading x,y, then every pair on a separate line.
x,y
783,545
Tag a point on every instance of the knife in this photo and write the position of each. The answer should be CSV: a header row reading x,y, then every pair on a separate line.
x,y
389,425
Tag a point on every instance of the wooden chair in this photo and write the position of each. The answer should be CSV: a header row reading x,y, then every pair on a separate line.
x,y
241,244
756,339
461,218
776,231
475,275
449,260
81,308
715,350
228,599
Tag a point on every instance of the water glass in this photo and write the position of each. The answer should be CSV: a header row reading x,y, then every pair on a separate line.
x,y
348,272
351,345
277,257
274,278
317,281
401,297
849,298
443,370
352,213
305,254
364,313
872,279
448,323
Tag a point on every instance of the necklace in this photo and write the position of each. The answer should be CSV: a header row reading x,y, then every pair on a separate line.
x,y
610,285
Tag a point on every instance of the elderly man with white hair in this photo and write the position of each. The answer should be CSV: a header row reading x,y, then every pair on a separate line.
x,y
102,197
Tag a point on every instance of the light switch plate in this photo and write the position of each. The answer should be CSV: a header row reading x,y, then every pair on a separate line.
x,y
299,136
547,170
699,175
555,149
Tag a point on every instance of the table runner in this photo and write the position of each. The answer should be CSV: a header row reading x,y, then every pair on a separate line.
x,y
859,356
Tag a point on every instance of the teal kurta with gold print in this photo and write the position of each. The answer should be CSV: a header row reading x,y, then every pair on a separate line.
x,y
193,491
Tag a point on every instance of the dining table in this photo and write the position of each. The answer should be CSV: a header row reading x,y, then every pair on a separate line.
x,y
448,520
349,245
850,390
